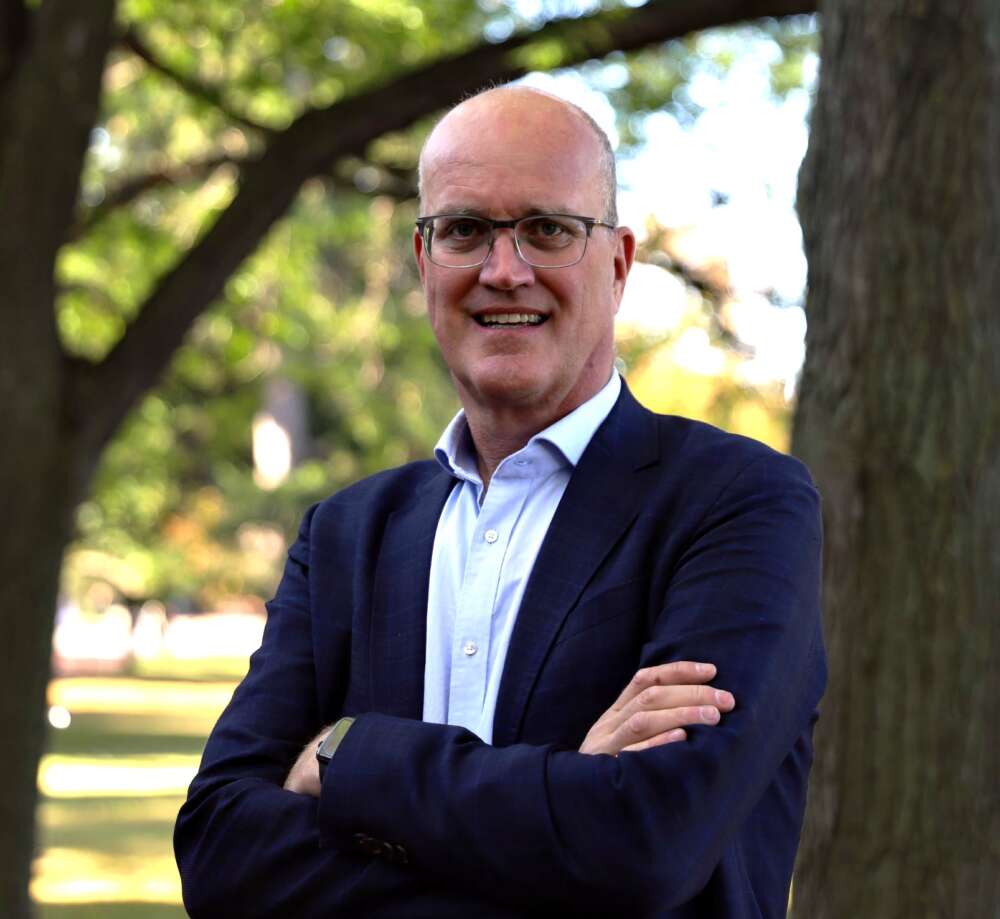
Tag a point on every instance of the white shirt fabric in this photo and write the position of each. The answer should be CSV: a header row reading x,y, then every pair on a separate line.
x,y
484,550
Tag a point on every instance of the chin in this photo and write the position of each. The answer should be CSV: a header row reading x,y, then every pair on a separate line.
x,y
509,385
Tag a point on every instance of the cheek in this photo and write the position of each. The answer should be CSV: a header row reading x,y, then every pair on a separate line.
x,y
443,312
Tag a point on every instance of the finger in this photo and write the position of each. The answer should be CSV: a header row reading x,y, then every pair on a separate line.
x,y
674,736
643,725
676,672
663,697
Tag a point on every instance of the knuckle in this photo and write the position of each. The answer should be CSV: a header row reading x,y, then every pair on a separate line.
x,y
647,697
637,723
642,677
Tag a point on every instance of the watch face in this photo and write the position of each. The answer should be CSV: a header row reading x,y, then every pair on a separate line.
x,y
333,739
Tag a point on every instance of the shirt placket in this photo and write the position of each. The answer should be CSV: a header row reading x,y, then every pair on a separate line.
x,y
470,651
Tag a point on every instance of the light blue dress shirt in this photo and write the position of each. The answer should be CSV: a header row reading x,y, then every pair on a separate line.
x,y
484,550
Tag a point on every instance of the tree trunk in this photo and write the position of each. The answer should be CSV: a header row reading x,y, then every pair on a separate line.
x,y
38,518
899,419
50,77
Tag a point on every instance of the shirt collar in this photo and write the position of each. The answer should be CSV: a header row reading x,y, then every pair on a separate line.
x,y
570,435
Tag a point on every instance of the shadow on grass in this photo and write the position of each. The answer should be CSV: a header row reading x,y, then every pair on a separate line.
x,y
110,911
121,735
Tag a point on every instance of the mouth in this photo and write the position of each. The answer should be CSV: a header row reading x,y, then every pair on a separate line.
x,y
509,320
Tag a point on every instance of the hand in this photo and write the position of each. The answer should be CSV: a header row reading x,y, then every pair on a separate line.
x,y
655,706
304,778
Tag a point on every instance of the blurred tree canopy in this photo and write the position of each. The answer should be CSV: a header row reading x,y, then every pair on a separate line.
x,y
201,198
328,302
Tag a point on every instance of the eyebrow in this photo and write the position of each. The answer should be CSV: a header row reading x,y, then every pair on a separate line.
x,y
481,212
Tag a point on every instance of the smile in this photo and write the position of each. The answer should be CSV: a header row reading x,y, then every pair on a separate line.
x,y
510,319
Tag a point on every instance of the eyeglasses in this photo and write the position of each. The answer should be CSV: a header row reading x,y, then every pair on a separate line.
x,y
541,240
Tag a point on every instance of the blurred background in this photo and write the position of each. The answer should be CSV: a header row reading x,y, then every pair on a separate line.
x,y
317,366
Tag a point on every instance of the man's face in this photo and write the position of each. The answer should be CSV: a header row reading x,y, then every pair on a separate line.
x,y
505,156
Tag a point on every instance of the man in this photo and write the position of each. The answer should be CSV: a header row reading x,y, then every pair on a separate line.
x,y
478,617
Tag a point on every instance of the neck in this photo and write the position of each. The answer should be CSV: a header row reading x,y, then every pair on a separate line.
x,y
499,431
496,442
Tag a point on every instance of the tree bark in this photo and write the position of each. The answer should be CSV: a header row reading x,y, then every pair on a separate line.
x,y
48,112
899,419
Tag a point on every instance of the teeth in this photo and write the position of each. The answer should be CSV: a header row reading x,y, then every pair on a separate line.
x,y
511,319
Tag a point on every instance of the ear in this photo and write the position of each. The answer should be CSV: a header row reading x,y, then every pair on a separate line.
x,y
624,257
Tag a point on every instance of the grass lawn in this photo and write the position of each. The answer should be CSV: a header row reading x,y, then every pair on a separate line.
x,y
111,784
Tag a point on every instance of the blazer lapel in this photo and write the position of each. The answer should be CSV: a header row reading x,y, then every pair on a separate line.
x,y
399,602
602,500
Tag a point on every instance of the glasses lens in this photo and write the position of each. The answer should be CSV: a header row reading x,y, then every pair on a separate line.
x,y
458,242
549,241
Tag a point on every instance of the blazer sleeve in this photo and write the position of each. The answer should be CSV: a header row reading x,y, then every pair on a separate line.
x,y
244,845
642,831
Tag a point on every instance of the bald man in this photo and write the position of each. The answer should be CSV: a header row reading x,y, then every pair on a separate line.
x,y
570,664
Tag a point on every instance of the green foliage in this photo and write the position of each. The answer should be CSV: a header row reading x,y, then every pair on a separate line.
x,y
796,41
329,303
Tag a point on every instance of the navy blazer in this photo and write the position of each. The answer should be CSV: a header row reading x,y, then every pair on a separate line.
x,y
673,541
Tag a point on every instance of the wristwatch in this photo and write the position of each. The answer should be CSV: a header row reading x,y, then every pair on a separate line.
x,y
330,743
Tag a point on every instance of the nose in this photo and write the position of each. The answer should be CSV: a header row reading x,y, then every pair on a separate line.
x,y
504,269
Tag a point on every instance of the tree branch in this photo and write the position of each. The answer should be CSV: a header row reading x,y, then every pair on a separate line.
x,y
131,40
318,138
349,176
136,186
48,112
710,282
370,177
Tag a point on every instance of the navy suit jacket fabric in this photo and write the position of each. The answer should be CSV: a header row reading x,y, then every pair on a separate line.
x,y
673,541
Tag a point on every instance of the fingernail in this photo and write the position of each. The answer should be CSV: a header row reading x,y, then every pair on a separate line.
x,y
723,697
676,734
704,668
709,714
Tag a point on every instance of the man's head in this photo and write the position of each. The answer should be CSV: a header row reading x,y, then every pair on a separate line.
x,y
506,154
605,166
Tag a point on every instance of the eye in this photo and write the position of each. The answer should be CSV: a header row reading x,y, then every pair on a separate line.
x,y
543,228
549,228
547,231
458,228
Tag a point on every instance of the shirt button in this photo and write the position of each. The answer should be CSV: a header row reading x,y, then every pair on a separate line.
x,y
491,536
470,648
522,462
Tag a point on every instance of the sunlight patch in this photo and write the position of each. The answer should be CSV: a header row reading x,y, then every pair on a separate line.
x,y
118,776
80,876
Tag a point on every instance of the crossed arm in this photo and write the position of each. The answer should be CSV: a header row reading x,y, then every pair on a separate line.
x,y
653,709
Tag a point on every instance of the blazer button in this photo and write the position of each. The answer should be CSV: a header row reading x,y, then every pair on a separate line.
x,y
368,844
402,858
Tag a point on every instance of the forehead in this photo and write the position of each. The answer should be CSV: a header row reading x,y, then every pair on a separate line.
x,y
510,156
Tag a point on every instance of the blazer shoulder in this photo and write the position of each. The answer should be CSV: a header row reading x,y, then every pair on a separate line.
x,y
376,497
698,451
703,446
389,488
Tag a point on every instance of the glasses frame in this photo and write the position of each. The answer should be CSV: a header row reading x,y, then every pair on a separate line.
x,y
423,224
